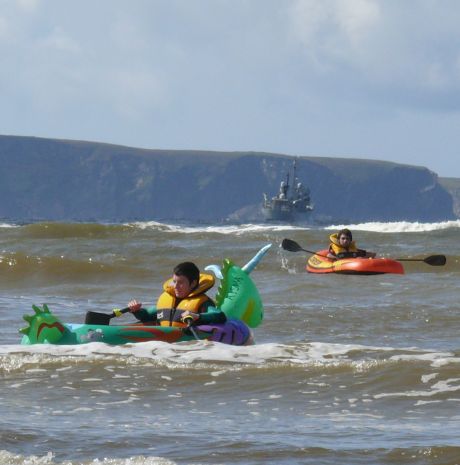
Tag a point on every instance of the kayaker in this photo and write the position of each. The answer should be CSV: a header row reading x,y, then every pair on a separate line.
x,y
343,246
184,300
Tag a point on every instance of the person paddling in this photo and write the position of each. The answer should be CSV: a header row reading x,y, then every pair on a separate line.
x,y
183,302
343,246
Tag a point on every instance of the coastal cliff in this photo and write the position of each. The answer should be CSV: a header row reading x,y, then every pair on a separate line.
x,y
58,180
452,185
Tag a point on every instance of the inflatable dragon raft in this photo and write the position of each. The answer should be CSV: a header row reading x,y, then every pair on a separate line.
x,y
237,297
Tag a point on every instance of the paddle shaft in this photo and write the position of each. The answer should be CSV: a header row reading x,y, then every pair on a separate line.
x,y
189,321
119,312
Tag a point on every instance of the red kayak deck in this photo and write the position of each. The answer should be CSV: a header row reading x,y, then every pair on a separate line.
x,y
320,263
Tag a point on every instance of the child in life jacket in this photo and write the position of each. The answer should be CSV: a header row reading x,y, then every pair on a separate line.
x,y
183,302
343,246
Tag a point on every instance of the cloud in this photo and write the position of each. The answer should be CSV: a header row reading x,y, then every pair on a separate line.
x,y
142,92
398,52
28,6
58,40
334,31
265,75
3,28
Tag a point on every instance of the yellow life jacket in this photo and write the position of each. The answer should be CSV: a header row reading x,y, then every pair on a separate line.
x,y
169,310
337,249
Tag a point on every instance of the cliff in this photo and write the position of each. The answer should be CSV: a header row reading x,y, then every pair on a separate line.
x,y
452,185
57,180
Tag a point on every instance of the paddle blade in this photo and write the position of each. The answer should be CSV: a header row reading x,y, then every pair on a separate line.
x,y
436,260
290,245
95,318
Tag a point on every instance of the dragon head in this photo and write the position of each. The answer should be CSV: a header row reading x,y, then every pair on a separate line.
x,y
42,327
237,295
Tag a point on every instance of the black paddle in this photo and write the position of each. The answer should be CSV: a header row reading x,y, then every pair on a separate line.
x,y
433,260
292,246
96,318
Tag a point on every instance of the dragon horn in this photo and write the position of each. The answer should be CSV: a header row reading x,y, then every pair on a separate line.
x,y
256,259
216,270
37,310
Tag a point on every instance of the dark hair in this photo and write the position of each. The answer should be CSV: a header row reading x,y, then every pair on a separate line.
x,y
345,232
189,270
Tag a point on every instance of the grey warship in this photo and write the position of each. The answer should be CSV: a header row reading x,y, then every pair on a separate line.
x,y
291,205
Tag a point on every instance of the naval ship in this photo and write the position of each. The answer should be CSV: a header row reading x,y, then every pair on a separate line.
x,y
291,204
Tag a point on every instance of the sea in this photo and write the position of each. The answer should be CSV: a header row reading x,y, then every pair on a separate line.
x,y
345,370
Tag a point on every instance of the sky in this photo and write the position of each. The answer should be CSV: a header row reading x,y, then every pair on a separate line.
x,y
370,79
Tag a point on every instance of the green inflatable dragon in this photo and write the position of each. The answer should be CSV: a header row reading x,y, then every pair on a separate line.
x,y
237,297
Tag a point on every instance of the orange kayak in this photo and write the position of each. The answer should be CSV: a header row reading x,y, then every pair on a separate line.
x,y
319,263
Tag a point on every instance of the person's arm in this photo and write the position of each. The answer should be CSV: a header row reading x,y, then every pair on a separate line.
x,y
211,316
142,314
145,315
331,254
366,254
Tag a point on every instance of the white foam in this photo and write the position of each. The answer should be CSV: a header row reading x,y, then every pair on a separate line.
x,y
233,229
398,226
436,359
48,459
441,387
196,353
241,229
427,378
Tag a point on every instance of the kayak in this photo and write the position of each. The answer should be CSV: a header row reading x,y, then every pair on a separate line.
x,y
320,263
237,296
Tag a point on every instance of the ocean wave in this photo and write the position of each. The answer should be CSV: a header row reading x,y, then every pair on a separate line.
x,y
398,226
16,267
57,230
284,453
234,229
49,459
241,229
61,230
101,230
196,354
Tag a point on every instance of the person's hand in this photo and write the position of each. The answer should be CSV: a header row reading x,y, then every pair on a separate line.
x,y
189,317
134,306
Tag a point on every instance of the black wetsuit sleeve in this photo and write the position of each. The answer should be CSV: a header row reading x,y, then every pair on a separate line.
x,y
146,315
211,317
209,314
207,305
